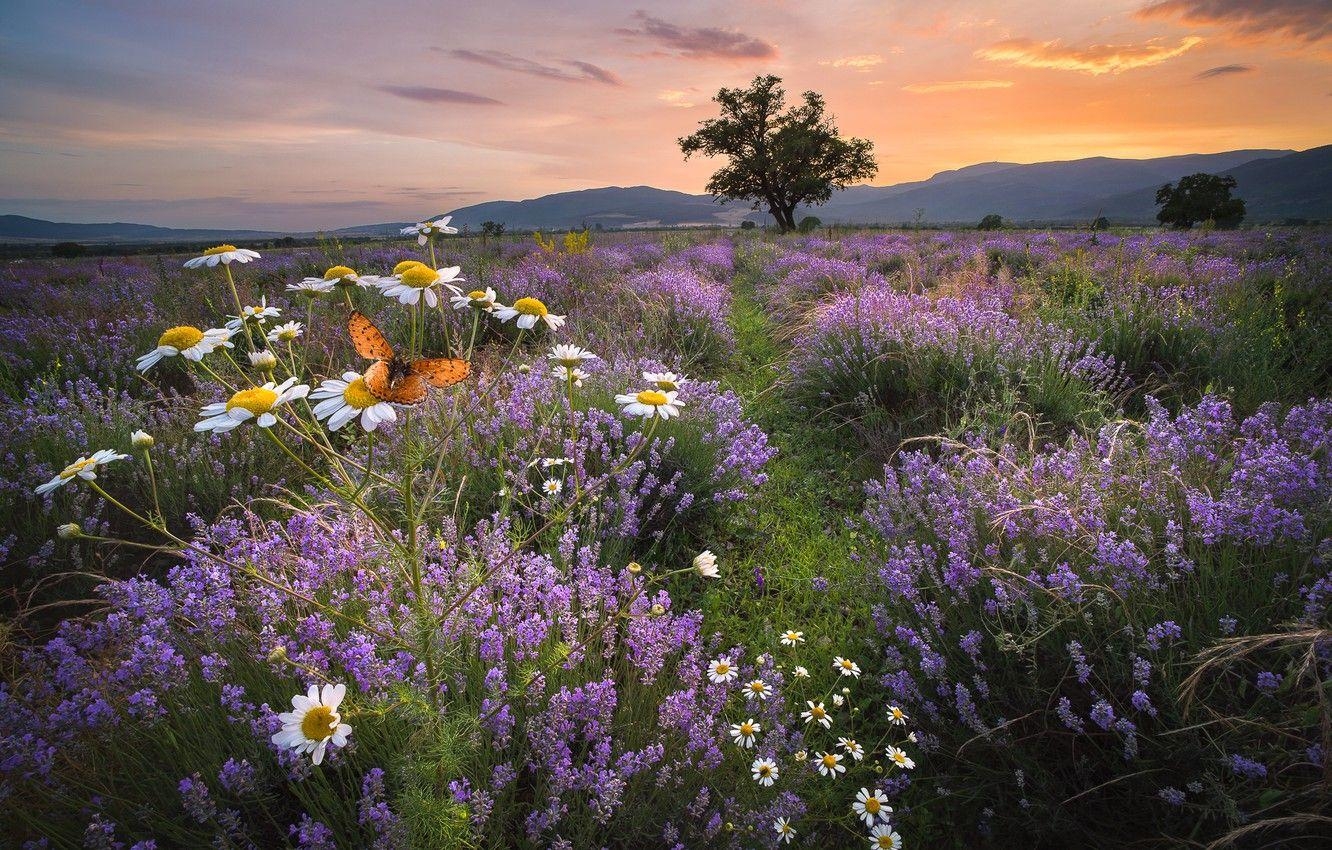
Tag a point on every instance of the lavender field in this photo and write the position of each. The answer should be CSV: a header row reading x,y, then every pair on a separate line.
x,y
687,540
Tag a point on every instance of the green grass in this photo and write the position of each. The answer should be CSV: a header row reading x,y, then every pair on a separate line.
x,y
794,529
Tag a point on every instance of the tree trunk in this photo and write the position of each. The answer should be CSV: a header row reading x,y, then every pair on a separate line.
x,y
784,216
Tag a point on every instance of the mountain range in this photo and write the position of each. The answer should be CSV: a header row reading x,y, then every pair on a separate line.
x,y
1277,185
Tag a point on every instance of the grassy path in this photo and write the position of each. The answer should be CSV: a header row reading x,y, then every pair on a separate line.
x,y
794,531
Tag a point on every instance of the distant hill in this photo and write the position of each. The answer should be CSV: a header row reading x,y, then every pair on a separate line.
x,y
1274,189
22,228
1275,184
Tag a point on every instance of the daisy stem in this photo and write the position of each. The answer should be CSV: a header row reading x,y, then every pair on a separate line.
x,y
215,376
573,429
433,262
112,500
240,311
471,343
309,320
152,484
346,296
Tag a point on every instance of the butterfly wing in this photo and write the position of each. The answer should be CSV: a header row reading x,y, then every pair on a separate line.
x,y
441,371
367,339
409,389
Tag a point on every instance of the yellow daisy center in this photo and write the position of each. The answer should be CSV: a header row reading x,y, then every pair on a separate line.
x,y
885,842
651,397
899,757
76,467
765,770
830,760
181,337
846,665
220,249
419,276
530,307
405,265
666,385
757,687
746,728
318,723
817,712
339,272
872,805
358,395
477,295
257,400
722,669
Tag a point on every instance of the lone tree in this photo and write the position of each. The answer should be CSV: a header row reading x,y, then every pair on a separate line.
x,y
1199,197
779,156
993,221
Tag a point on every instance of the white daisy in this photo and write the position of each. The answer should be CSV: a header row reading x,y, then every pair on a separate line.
x,y
896,716
141,439
721,670
548,462
264,359
479,299
311,286
185,341
871,806
427,229
286,332
342,400
706,564
757,689
257,314
846,666
830,764
816,714
665,381
256,403
569,356
529,311
792,637
852,748
785,832
224,254
745,733
552,486
765,771
419,281
900,758
650,403
838,700
800,672
314,722
882,837
84,467
564,375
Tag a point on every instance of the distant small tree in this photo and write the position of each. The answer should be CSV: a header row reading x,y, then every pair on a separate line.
x,y
747,225
1101,223
491,228
993,221
778,156
810,222
68,249
1199,197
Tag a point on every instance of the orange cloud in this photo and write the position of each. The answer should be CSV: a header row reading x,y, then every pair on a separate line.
x,y
1093,59
1308,20
674,97
957,85
864,62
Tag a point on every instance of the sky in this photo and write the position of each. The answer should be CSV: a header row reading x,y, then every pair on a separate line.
x,y
294,115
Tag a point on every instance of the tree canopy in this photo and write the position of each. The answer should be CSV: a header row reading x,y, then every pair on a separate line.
x,y
779,156
1199,197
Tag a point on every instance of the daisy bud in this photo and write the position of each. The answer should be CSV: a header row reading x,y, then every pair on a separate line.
x,y
141,440
706,564
279,653
524,369
801,755
69,531
634,568
658,610
263,360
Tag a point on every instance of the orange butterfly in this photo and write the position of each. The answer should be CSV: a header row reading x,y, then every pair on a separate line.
x,y
393,379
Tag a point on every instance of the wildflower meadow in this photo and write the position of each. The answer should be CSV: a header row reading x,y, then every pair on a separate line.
x,y
862,538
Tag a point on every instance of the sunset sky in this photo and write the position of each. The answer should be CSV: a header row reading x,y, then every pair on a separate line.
x,y
301,115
